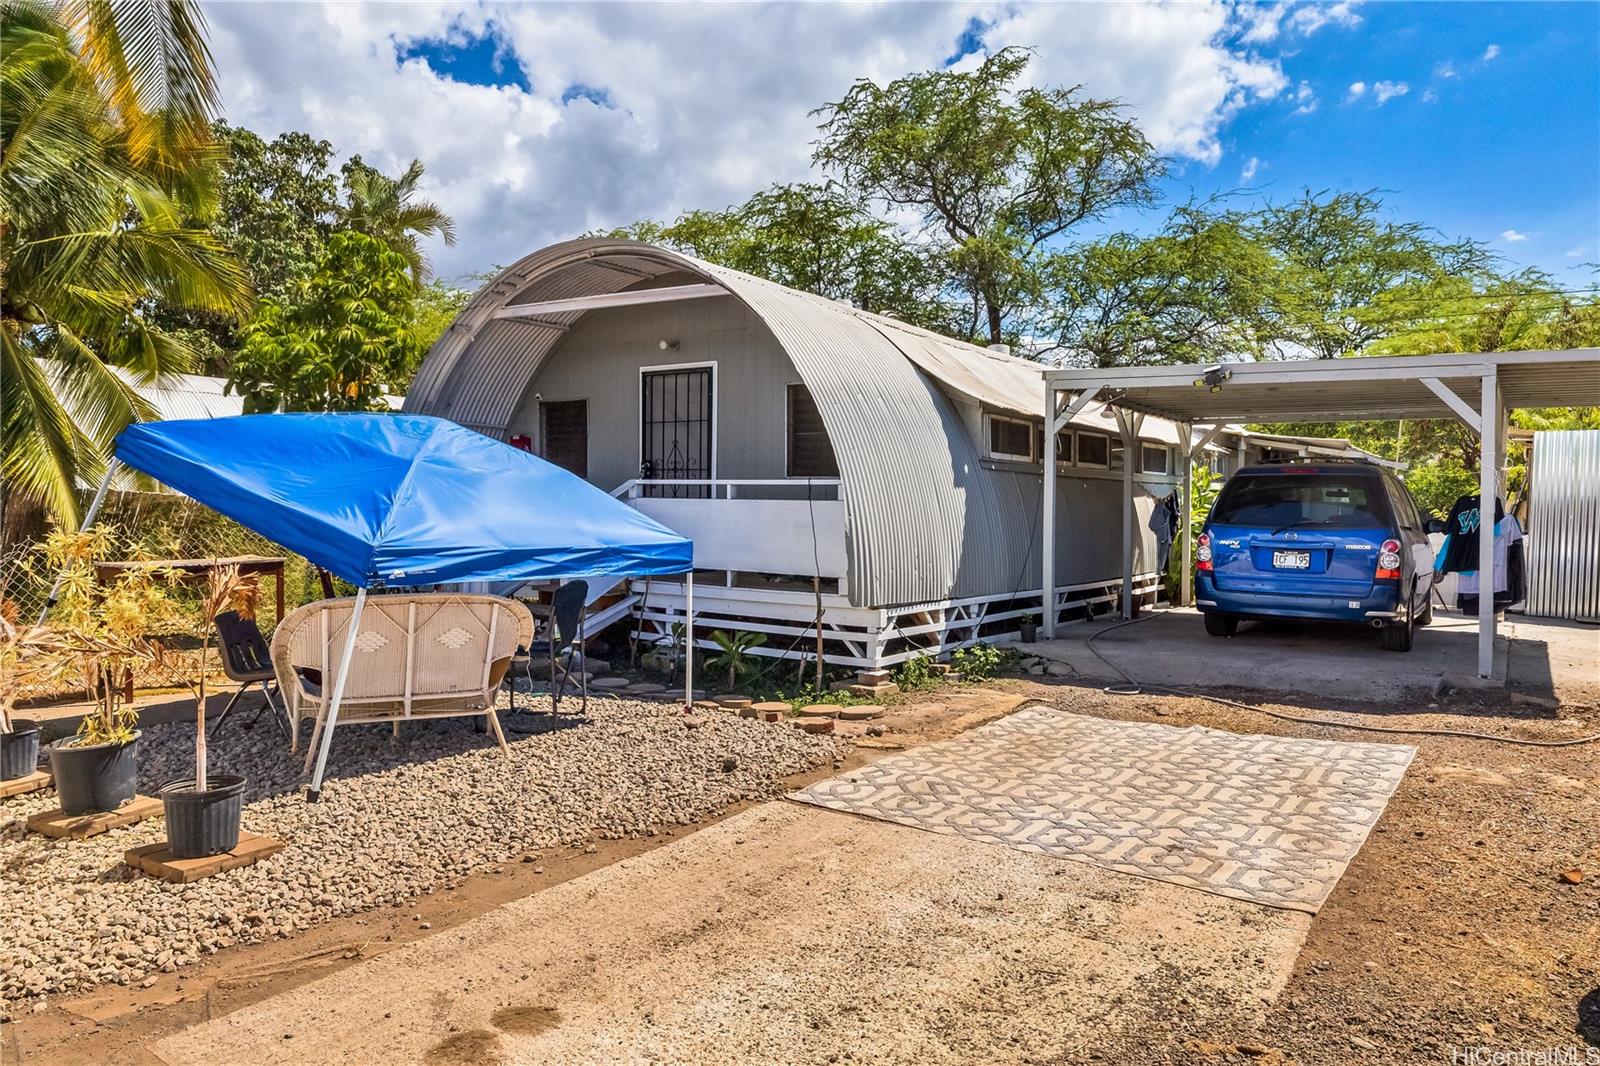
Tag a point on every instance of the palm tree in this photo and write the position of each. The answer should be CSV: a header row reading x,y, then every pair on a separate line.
x,y
104,150
383,207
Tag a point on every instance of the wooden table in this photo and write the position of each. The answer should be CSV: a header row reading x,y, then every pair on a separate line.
x,y
195,570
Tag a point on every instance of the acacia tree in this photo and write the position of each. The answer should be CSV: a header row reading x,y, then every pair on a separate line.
x,y
1195,291
1347,277
993,170
339,340
817,238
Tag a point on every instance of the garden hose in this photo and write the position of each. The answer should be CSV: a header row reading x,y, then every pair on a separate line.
x,y
1133,688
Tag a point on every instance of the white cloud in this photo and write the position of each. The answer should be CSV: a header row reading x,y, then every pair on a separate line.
x,y
1304,98
1444,69
1247,173
1511,236
1384,91
1429,96
709,103
1491,52
1263,22
1358,89
1574,253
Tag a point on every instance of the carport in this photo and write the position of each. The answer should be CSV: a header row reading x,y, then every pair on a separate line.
x,y
1477,388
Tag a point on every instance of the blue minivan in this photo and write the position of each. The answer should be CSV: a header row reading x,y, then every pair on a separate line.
x,y
1337,541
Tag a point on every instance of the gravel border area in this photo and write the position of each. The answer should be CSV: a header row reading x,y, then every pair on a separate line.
x,y
398,818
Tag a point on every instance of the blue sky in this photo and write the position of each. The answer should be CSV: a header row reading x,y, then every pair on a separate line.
x,y
1498,128
540,121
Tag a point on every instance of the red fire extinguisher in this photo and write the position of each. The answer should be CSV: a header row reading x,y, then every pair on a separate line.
x,y
523,441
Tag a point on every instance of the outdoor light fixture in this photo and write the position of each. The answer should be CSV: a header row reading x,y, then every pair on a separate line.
x,y
1212,378
668,346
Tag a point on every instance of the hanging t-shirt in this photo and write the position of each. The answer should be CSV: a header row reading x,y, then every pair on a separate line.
x,y
1507,532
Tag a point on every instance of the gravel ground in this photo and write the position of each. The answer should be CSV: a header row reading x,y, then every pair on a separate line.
x,y
398,818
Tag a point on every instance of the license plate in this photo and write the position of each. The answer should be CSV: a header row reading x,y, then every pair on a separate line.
x,y
1291,560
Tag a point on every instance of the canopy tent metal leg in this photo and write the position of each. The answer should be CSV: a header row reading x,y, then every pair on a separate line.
x,y
688,640
330,720
1488,489
88,520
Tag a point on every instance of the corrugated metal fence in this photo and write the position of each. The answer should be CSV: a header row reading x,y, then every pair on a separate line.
x,y
1564,525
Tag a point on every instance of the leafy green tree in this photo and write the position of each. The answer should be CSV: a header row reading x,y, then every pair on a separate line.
x,y
1348,277
994,171
1193,292
817,238
104,153
388,209
339,340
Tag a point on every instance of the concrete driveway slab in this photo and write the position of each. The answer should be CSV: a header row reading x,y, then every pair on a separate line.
x,y
788,934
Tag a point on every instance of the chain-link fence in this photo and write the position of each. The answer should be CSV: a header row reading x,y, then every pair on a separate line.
x,y
158,528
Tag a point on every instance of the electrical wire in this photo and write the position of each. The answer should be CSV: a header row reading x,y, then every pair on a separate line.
x,y
1134,688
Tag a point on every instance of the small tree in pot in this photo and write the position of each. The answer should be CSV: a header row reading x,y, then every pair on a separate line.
x,y
19,737
97,639
203,813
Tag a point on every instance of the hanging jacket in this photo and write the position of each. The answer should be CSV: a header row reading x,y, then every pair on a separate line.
x,y
1460,548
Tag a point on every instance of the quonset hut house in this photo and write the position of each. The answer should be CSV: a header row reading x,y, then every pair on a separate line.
x,y
820,457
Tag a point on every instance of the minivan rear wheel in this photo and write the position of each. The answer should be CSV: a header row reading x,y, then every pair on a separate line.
x,y
1221,625
1397,636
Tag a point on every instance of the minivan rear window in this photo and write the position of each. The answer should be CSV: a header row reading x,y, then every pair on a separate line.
x,y
1302,501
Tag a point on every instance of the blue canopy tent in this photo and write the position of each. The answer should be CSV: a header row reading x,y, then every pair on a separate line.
x,y
401,500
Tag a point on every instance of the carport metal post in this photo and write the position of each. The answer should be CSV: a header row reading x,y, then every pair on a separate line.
x,y
1055,417
1130,424
1488,489
1185,577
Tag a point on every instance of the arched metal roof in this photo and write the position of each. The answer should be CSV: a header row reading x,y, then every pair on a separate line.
x,y
927,521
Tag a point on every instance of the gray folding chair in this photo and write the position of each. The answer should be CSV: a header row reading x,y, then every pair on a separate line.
x,y
247,660
566,641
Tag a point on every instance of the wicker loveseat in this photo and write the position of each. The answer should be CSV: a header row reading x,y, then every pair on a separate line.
x,y
421,655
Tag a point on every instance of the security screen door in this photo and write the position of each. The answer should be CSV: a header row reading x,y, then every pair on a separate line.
x,y
675,440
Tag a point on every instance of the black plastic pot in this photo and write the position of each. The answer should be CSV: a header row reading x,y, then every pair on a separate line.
x,y
203,823
1030,632
19,749
94,777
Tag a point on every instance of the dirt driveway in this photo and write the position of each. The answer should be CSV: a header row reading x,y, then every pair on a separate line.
x,y
789,934
1454,926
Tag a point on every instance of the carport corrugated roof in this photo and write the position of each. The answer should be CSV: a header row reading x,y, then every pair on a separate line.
x,y
1345,389
1476,387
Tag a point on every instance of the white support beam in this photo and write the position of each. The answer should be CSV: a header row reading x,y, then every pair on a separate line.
x,y
1130,425
1185,508
1066,412
1462,409
1047,508
1488,489
629,298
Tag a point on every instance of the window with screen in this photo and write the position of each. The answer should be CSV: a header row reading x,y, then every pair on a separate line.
x,y
1154,459
810,451
1010,438
1094,450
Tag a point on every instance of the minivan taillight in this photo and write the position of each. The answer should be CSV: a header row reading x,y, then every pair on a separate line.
x,y
1388,562
1202,553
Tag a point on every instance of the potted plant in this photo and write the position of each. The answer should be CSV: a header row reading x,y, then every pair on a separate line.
x,y
1030,628
19,737
203,812
96,638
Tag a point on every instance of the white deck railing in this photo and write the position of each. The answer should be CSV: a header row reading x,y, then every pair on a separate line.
x,y
749,524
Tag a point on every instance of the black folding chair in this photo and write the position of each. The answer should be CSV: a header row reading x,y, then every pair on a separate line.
x,y
247,660
566,641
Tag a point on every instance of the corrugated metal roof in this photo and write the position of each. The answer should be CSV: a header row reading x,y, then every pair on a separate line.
x,y
928,520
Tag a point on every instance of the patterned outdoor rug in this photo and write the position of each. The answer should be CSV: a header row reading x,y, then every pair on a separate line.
x,y
1274,820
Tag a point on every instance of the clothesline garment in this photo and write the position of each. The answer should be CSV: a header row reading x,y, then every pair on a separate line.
x,y
1164,524
1510,570
1459,552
